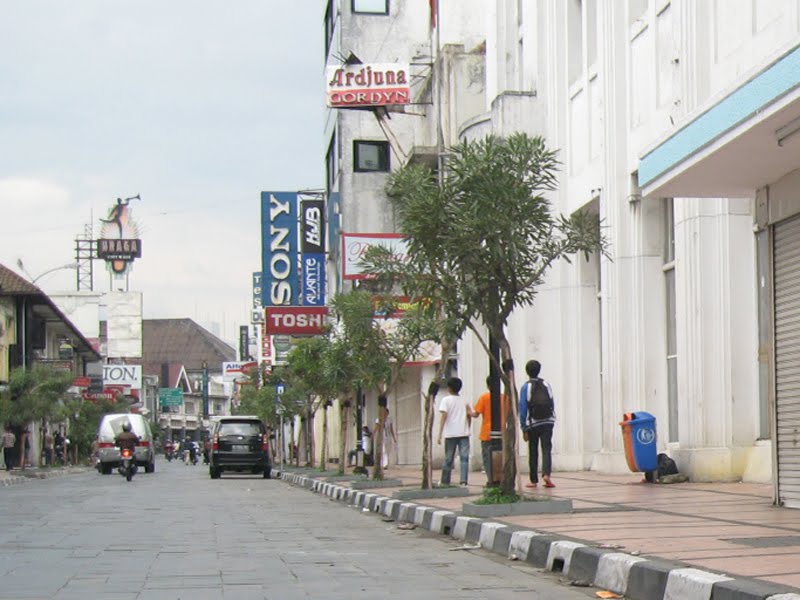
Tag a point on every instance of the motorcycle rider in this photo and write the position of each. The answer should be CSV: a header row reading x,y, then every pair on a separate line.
x,y
126,438
189,451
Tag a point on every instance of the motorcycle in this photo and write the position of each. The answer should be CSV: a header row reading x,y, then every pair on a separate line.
x,y
127,465
169,451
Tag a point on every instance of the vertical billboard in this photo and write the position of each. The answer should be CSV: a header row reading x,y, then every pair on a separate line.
x,y
279,251
312,247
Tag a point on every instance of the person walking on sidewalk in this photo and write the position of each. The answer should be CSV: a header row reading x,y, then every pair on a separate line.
x,y
454,424
9,441
47,447
537,417
483,409
389,441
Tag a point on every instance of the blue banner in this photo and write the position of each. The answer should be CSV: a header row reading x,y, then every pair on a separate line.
x,y
312,247
279,249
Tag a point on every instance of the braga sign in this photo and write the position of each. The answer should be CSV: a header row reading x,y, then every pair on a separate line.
x,y
294,320
355,86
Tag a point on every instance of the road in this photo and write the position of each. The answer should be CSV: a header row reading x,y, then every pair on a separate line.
x,y
176,534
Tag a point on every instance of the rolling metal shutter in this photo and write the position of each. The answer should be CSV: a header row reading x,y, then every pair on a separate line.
x,y
786,277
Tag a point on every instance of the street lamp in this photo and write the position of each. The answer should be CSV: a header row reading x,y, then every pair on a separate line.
x,y
33,279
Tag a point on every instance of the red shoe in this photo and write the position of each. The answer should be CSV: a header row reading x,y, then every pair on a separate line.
x,y
548,483
530,485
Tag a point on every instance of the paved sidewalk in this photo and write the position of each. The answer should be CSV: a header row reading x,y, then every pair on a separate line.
x,y
17,476
729,529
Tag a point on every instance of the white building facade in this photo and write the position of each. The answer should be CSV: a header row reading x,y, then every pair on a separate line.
x,y
676,123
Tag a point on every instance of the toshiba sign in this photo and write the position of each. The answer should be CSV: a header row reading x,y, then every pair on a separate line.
x,y
294,320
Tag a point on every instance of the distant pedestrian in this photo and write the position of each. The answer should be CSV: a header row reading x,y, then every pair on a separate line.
x,y
47,448
483,409
9,441
537,418
454,426
59,447
389,441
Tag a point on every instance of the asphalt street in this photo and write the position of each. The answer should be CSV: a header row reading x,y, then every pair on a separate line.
x,y
177,534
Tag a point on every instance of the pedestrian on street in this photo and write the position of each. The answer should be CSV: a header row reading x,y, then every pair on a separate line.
x,y
47,449
483,409
454,425
537,418
9,441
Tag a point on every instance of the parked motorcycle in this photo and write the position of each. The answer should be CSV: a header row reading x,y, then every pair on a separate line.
x,y
127,465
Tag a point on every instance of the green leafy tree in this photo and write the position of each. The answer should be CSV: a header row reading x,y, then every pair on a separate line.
x,y
318,365
84,418
34,395
481,238
377,352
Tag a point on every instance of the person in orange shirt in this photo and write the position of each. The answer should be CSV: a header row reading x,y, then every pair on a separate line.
x,y
483,408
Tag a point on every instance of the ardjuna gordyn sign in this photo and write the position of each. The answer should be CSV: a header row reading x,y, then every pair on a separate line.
x,y
368,85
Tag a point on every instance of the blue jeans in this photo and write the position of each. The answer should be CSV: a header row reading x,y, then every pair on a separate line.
x,y
450,445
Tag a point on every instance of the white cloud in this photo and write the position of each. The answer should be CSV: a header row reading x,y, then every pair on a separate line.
x,y
31,195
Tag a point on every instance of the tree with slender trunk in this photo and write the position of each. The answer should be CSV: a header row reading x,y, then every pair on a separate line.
x,y
34,395
480,239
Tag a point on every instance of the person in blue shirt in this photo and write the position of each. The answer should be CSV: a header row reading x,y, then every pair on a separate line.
x,y
537,417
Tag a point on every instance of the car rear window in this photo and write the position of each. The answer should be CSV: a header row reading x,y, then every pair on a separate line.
x,y
240,428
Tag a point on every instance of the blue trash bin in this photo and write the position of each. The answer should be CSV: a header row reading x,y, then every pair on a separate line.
x,y
639,435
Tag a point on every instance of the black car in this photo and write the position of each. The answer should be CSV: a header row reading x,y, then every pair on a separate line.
x,y
239,444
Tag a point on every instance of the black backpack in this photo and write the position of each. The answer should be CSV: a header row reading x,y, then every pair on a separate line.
x,y
539,401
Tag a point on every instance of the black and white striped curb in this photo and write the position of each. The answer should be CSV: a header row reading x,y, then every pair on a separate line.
x,y
636,577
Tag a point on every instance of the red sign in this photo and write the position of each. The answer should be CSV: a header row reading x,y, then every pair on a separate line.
x,y
83,382
368,85
294,320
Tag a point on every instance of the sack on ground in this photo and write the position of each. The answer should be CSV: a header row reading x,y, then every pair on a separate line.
x,y
666,466
539,402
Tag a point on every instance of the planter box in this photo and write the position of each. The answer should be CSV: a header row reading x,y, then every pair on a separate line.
x,y
351,477
375,483
438,492
527,507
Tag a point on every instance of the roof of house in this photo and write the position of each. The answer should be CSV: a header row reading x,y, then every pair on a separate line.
x,y
44,308
185,342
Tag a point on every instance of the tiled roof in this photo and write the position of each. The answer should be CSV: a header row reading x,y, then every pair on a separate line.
x,y
12,284
184,342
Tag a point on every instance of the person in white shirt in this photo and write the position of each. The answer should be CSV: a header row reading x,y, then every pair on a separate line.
x,y
454,425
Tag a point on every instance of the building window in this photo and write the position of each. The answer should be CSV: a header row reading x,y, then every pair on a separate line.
x,y
370,156
637,9
330,20
371,7
668,268
332,163
575,40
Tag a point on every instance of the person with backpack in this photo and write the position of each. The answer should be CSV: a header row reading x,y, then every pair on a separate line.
x,y
537,418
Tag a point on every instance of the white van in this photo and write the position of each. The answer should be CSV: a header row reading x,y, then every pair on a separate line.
x,y
108,453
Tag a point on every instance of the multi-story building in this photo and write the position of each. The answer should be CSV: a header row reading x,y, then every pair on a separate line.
x,y
676,124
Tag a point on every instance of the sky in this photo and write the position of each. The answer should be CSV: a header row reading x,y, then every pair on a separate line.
x,y
195,105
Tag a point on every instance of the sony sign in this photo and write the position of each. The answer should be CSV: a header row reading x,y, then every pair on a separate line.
x,y
279,248
130,375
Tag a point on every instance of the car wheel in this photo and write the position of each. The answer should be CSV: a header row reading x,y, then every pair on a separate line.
x,y
150,467
105,469
268,473
214,473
